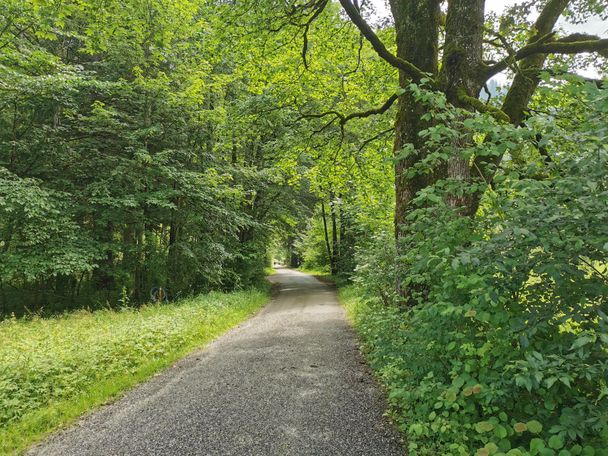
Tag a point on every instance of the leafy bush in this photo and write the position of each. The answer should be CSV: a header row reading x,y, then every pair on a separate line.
x,y
501,347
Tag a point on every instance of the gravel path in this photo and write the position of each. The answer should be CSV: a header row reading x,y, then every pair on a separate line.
x,y
289,381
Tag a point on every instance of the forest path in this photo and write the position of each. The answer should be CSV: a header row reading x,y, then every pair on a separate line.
x,y
289,381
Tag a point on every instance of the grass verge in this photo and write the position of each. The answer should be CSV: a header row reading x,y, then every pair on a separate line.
x,y
52,370
324,276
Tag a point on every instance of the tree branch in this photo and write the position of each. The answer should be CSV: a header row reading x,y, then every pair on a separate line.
x,y
566,45
480,106
354,115
408,68
370,112
599,83
319,7
374,138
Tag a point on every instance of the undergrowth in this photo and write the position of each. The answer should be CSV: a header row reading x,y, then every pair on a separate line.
x,y
470,401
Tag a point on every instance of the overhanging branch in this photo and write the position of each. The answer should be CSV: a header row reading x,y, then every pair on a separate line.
x,y
370,112
408,68
573,44
354,115
343,119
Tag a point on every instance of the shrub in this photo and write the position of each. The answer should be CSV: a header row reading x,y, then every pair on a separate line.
x,y
502,345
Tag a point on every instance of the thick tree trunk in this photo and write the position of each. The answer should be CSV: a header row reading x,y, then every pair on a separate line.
x,y
417,34
417,31
462,59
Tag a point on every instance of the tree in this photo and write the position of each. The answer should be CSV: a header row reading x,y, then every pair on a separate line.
x,y
462,74
132,156
453,52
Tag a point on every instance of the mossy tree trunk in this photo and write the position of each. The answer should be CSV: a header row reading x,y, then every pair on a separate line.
x,y
417,32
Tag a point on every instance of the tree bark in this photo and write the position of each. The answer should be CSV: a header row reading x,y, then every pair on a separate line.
x,y
417,35
462,59
335,242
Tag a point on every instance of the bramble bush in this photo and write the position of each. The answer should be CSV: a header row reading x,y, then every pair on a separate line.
x,y
502,348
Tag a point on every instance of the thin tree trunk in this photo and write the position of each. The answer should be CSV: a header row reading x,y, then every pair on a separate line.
x,y
334,235
327,245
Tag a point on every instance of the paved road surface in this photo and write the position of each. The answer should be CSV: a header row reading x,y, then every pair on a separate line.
x,y
289,381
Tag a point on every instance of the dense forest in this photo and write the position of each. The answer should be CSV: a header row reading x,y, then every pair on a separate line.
x,y
445,163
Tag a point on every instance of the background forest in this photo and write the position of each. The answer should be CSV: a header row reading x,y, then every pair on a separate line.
x,y
184,144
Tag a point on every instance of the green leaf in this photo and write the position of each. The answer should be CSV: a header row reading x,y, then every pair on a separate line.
x,y
484,426
520,427
458,382
581,341
534,427
500,431
536,445
556,442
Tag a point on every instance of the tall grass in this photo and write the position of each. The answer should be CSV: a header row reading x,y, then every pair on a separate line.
x,y
54,369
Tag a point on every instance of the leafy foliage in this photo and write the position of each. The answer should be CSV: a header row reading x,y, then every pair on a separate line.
x,y
131,156
504,350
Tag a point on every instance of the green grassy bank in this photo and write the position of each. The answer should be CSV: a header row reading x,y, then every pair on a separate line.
x,y
54,369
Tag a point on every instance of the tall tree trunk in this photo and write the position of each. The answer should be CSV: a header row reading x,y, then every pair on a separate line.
x,y
102,276
138,271
462,58
327,244
417,32
335,242
173,266
417,35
